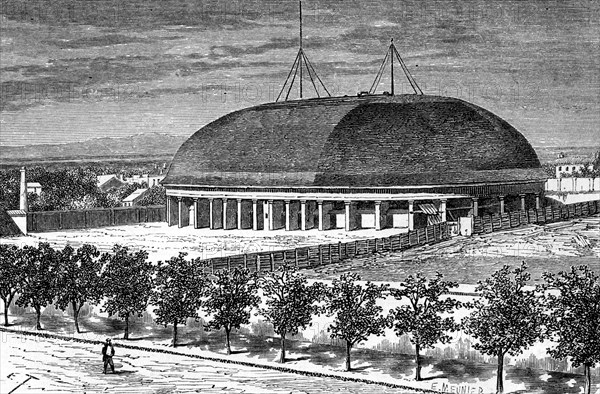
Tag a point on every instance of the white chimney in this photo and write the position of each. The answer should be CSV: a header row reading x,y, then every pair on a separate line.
x,y
23,196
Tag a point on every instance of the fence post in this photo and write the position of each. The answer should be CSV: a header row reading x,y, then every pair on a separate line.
x,y
245,260
356,248
330,256
272,258
60,221
228,263
296,257
212,266
257,262
320,255
418,240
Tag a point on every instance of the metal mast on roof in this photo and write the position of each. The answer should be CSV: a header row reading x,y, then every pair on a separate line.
x,y
297,68
392,53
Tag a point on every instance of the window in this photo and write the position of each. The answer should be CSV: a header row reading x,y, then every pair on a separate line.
x,y
559,168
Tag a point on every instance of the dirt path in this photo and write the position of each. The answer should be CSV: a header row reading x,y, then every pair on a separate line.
x,y
65,367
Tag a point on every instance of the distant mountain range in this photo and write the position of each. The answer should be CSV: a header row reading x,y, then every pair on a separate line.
x,y
152,144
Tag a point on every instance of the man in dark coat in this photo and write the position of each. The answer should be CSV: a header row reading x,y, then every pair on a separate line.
x,y
107,355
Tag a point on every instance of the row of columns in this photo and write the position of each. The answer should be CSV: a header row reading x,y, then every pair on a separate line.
x,y
321,207
268,212
501,199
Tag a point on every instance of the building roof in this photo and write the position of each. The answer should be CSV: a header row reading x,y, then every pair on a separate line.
x,y
33,184
573,160
137,193
7,225
102,179
362,141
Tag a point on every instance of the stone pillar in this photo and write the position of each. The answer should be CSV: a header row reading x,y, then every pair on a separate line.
x,y
501,198
270,213
303,215
522,201
169,221
239,213
443,209
224,213
475,207
254,215
320,208
196,210
23,206
211,219
378,215
265,215
538,203
180,213
287,215
347,215
411,215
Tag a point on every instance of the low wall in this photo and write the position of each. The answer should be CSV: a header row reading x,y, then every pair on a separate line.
x,y
574,185
93,218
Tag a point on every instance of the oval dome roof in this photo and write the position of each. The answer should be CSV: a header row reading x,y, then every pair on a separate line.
x,y
356,142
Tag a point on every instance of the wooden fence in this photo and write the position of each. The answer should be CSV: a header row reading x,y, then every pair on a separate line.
x,y
318,255
93,218
490,223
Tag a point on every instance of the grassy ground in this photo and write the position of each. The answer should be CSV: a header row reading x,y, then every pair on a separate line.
x,y
367,363
555,247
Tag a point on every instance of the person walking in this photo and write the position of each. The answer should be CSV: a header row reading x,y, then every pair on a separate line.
x,y
107,355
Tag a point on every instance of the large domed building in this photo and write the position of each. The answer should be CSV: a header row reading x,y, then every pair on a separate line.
x,y
366,161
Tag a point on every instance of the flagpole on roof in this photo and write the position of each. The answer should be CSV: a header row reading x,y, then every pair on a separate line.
x,y
300,62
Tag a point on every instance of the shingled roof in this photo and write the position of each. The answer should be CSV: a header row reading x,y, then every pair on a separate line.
x,y
357,142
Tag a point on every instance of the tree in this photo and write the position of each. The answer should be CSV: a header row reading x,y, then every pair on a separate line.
x,y
421,319
574,303
357,315
79,279
507,318
179,287
10,275
290,302
127,283
231,296
156,195
39,281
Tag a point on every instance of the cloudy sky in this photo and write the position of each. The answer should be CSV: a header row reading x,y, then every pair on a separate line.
x,y
78,69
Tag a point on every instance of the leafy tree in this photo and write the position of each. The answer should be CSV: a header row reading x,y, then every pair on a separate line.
x,y
39,281
290,302
127,283
10,275
507,317
155,196
357,315
231,296
179,287
421,319
79,279
574,303
9,188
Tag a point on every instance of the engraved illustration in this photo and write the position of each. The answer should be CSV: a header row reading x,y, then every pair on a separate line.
x,y
295,196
